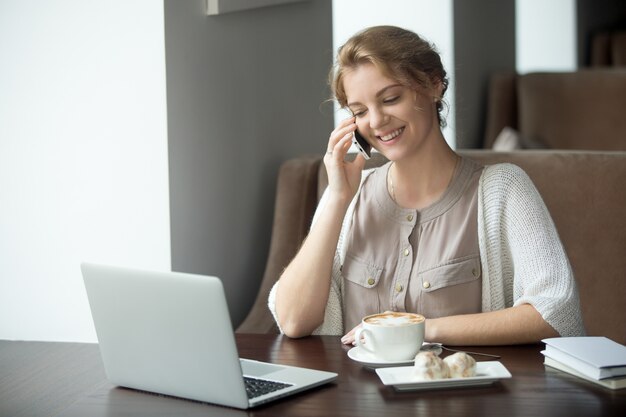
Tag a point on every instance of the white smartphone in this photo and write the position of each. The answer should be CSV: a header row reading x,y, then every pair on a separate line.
x,y
361,144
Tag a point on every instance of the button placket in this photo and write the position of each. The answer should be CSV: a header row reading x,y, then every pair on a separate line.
x,y
403,271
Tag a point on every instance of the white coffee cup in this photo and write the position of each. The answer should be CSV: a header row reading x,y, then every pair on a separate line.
x,y
391,336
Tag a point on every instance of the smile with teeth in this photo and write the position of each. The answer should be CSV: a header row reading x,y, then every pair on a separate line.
x,y
391,135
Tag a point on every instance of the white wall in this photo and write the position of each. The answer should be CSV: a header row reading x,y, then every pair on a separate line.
x,y
83,155
432,19
546,38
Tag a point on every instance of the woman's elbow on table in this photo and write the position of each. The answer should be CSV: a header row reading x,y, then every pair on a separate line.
x,y
296,328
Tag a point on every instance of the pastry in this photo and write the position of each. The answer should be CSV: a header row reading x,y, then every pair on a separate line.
x,y
461,365
429,366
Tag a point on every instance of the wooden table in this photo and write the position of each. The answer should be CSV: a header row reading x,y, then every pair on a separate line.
x,y
67,379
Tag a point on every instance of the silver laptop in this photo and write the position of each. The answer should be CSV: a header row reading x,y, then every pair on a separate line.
x,y
171,333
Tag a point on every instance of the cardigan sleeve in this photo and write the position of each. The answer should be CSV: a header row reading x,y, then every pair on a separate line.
x,y
525,259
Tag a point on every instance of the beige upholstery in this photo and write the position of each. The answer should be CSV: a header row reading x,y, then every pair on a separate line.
x,y
582,110
584,191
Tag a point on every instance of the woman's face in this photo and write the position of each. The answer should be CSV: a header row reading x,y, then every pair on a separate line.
x,y
396,120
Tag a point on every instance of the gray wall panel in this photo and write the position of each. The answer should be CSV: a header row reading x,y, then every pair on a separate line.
x,y
484,43
244,93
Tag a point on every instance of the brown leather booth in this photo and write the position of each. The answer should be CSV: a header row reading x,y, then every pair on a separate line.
x,y
582,110
608,49
584,191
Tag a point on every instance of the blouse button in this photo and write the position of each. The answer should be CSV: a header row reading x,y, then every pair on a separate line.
x,y
409,217
405,252
426,284
475,272
370,281
398,288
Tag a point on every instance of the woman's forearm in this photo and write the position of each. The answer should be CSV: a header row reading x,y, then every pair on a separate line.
x,y
514,325
303,289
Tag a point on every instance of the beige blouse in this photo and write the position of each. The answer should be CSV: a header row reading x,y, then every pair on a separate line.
x,y
424,261
521,256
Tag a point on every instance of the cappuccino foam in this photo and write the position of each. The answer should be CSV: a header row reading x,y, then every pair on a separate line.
x,y
394,319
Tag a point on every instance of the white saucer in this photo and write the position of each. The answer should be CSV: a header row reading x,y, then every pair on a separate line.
x,y
370,361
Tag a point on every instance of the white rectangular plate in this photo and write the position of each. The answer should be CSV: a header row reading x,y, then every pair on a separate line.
x,y
402,378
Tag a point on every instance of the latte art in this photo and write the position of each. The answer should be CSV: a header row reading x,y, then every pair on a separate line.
x,y
394,319
391,336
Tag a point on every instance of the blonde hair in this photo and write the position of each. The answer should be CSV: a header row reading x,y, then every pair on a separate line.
x,y
398,53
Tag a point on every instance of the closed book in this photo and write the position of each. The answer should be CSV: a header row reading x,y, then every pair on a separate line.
x,y
611,383
595,357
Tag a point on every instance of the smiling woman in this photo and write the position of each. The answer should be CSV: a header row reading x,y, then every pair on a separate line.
x,y
432,19
386,111
419,66
471,248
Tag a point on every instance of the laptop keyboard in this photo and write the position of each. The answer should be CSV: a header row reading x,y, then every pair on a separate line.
x,y
257,387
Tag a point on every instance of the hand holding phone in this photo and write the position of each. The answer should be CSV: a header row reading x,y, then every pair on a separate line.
x,y
361,144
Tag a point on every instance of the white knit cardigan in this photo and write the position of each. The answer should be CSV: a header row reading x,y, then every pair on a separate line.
x,y
522,258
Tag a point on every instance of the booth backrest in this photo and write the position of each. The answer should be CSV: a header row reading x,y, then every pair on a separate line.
x,y
608,49
581,110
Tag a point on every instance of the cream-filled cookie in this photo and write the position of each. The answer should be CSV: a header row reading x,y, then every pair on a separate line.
x,y
429,366
461,365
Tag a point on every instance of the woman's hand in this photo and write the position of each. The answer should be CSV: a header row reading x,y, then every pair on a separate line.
x,y
348,338
344,177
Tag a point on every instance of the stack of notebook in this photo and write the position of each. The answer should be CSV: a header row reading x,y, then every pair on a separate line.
x,y
596,359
